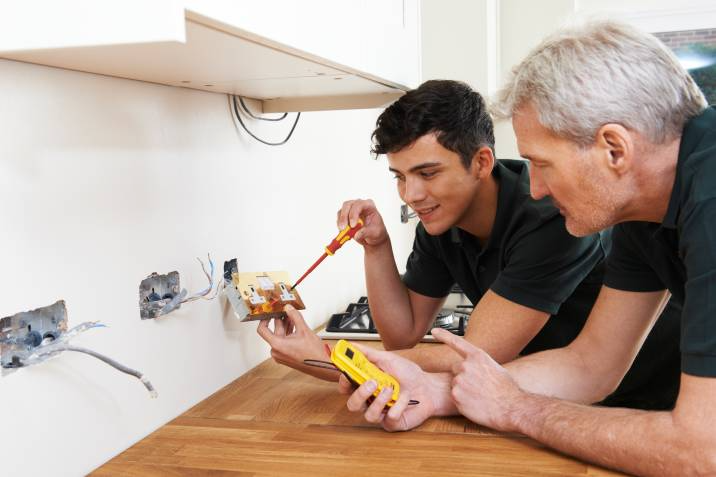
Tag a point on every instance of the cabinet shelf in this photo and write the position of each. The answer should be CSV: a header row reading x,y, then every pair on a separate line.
x,y
218,57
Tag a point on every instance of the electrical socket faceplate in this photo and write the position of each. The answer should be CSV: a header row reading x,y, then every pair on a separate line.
x,y
22,332
258,295
155,292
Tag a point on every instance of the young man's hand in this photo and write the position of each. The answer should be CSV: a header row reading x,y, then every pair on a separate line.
x,y
482,390
431,390
373,233
292,341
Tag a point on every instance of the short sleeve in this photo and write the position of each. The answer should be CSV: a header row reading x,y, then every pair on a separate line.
x,y
426,272
545,265
626,267
698,249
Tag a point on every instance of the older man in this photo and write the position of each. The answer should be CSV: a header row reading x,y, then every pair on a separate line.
x,y
616,132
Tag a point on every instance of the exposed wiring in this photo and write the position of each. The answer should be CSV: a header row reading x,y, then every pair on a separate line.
x,y
219,288
173,304
203,294
406,214
234,104
156,305
51,347
118,366
253,116
63,338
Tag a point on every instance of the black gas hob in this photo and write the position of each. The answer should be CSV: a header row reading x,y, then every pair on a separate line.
x,y
356,323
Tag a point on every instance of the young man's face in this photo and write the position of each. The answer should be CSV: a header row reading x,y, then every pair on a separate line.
x,y
573,177
433,181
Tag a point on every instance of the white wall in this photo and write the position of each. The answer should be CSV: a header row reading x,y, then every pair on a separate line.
x,y
479,42
458,41
522,25
103,181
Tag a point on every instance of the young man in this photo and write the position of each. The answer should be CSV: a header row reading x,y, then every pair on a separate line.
x,y
532,283
617,133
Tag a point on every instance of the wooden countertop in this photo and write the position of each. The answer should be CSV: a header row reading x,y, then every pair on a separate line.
x,y
277,421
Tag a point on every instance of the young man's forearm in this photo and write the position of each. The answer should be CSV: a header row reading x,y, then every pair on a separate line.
x,y
433,358
388,297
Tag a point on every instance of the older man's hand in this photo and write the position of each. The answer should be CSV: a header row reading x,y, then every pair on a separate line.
x,y
482,390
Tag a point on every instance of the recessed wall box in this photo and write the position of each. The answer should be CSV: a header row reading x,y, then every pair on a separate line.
x,y
258,295
32,337
159,295
406,214
22,332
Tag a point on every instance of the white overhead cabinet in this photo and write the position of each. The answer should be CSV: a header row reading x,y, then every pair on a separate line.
x,y
291,55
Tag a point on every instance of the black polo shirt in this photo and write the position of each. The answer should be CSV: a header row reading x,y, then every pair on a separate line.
x,y
529,259
679,254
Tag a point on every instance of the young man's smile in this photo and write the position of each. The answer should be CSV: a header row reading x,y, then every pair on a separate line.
x,y
426,213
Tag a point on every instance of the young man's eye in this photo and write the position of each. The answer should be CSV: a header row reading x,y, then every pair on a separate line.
x,y
399,178
427,174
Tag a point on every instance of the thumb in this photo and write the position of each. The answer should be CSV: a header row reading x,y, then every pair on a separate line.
x,y
460,345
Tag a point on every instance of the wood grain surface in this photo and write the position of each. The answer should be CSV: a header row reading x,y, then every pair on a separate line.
x,y
277,421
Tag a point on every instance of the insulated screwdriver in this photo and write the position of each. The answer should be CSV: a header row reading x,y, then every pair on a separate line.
x,y
345,235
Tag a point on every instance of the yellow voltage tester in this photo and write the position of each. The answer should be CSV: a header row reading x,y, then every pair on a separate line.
x,y
358,369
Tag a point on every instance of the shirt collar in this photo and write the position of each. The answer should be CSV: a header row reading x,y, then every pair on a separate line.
x,y
694,131
507,174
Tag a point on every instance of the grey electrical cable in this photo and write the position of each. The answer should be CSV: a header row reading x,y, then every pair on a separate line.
x,y
109,361
174,303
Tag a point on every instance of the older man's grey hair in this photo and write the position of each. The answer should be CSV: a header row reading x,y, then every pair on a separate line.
x,y
581,78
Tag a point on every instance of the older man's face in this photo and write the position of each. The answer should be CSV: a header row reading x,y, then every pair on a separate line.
x,y
573,177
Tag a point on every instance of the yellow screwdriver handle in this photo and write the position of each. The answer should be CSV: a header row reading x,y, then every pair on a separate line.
x,y
343,236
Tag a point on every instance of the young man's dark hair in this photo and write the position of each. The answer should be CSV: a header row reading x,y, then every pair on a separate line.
x,y
450,109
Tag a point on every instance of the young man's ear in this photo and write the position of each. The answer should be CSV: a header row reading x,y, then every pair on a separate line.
x,y
617,145
482,162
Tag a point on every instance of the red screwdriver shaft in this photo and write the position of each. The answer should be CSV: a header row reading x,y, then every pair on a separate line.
x,y
344,236
309,270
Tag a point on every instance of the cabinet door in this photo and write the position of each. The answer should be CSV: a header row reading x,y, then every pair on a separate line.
x,y
390,39
378,37
43,24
